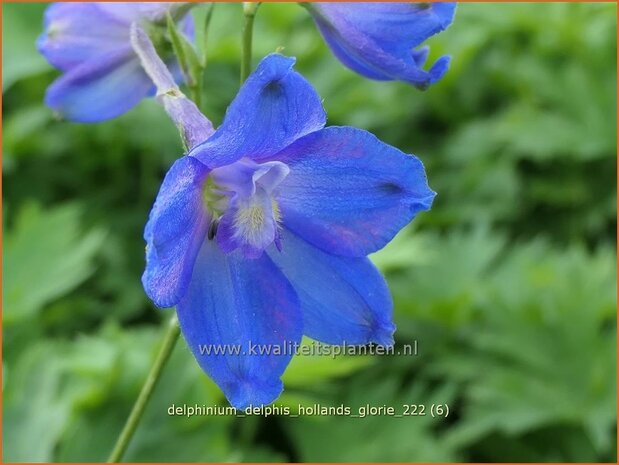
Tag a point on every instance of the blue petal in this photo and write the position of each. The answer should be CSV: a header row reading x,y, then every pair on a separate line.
x,y
275,106
127,12
175,232
349,193
233,302
348,55
75,32
421,55
375,39
401,25
186,26
100,89
343,299
438,69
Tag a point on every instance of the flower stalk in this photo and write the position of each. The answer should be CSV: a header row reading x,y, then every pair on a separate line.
x,y
169,341
191,65
249,12
207,22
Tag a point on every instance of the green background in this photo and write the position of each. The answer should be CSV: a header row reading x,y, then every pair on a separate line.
x,y
508,284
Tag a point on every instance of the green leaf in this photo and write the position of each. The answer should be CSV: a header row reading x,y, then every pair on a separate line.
x,y
446,277
375,438
542,354
404,251
186,53
21,25
33,407
306,370
46,255
64,393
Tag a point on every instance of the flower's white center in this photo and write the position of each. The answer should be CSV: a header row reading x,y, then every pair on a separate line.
x,y
241,198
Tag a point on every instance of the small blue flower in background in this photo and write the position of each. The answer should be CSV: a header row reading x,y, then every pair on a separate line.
x,y
377,39
89,42
260,234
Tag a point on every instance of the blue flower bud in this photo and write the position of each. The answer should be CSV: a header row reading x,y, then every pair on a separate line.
x,y
379,40
90,43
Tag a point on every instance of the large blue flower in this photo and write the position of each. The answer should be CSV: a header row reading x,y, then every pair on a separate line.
x,y
377,39
260,234
89,42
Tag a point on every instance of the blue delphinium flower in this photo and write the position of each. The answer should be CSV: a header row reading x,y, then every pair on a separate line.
x,y
89,42
260,234
377,39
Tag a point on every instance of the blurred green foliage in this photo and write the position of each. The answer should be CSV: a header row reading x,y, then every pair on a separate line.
x,y
508,285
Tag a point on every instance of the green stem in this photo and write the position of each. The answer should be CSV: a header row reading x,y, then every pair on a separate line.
x,y
196,92
169,340
249,12
207,23
179,50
